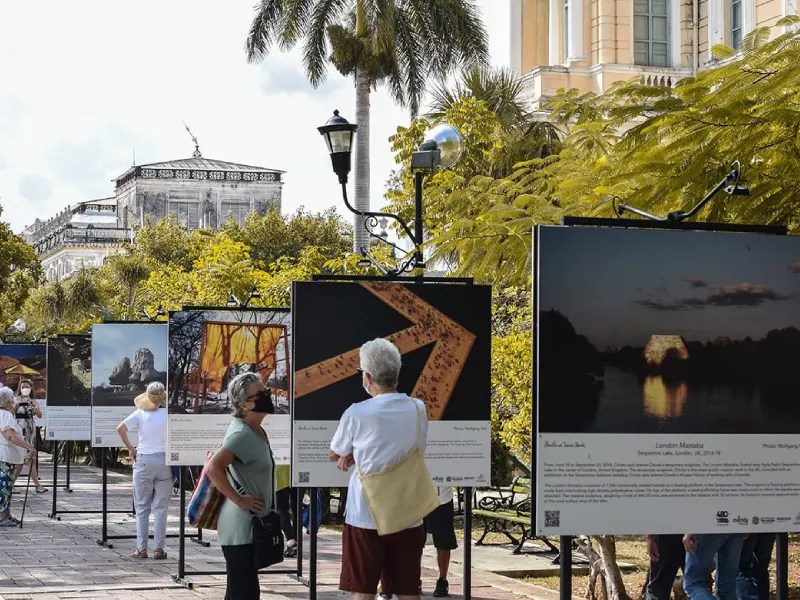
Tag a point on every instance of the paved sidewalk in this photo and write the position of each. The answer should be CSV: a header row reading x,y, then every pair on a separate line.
x,y
50,559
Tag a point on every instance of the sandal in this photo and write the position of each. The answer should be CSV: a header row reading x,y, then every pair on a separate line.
x,y
159,554
41,490
291,551
139,554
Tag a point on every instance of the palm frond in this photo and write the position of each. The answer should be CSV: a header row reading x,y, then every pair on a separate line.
x,y
315,50
261,35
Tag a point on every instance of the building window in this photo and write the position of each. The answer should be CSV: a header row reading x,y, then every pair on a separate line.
x,y
186,213
650,33
565,30
736,24
234,210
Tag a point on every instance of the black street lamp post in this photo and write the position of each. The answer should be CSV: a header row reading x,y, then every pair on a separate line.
x,y
442,148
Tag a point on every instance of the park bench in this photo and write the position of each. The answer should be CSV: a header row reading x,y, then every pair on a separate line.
x,y
508,512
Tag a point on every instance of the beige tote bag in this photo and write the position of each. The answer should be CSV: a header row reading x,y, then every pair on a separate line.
x,y
403,494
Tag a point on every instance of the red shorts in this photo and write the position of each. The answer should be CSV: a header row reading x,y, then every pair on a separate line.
x,y
366,556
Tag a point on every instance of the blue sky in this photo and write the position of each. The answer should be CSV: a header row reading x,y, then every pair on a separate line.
x,y
113,341
94,81
619,286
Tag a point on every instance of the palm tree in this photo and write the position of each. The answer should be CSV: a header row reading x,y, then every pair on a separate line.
x,y
502,91
398,42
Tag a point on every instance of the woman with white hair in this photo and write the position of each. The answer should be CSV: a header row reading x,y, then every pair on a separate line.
x,y
243,470
12,447
374,435
152,478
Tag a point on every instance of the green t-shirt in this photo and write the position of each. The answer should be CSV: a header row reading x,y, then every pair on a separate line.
x,y
252,469
283,477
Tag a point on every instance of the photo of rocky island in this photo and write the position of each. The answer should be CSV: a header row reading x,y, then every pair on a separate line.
x,y
125,358
651,331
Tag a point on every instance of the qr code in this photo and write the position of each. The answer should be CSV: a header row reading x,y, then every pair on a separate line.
x,y
98,439
174,456
552,518
304,476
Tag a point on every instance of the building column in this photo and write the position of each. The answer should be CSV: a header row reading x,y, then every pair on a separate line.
x,y
554,50
515,36
606,29
716,24
748,16
575,30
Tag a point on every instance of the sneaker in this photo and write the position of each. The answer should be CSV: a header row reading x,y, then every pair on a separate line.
x,y
8,523
385,596
442,588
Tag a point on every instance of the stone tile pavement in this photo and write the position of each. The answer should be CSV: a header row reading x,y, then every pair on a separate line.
x,y
52,559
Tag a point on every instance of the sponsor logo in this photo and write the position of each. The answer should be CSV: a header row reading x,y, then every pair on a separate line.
x,y
767,520
437,478
756,520
448,479
797,519
481,477
722,517
783,519
739,520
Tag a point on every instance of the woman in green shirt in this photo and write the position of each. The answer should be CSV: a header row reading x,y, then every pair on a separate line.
x,y
243,470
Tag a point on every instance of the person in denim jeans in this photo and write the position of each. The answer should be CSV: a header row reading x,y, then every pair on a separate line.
x,y
703,552
752,582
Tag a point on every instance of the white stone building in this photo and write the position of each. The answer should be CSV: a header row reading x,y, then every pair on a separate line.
x,y
197,192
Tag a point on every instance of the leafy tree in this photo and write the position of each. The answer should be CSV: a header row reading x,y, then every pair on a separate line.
x,y
274,236
20,272
656,148
397,42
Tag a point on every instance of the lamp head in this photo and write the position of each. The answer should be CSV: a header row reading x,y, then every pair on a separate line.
x,y
18,326
447,140
233,301
338,134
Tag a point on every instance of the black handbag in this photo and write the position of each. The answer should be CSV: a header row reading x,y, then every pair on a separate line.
x,y
267,540
267,532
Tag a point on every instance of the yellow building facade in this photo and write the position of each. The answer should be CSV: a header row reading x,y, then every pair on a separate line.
x,y
591,44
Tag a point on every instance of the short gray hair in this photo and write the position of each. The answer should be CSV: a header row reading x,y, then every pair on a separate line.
x,y
155,388
6,397
381,359
237,391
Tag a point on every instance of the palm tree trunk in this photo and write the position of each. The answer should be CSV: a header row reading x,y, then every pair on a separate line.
x,y
360,236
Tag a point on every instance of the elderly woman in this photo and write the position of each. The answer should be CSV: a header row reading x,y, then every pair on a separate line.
x,y
152,478
243,471
25,410
376,434
12,447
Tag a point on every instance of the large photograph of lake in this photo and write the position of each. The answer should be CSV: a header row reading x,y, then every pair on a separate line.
x,y
653,331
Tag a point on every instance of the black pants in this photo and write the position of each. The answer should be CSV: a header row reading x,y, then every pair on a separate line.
x,y
284,498
242,574
662,573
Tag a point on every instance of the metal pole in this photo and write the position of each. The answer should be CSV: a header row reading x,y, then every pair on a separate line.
x,y
312,554
467,543
298,523
418,234
782,566
54,510
565,567
182,528
68,460
104,536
